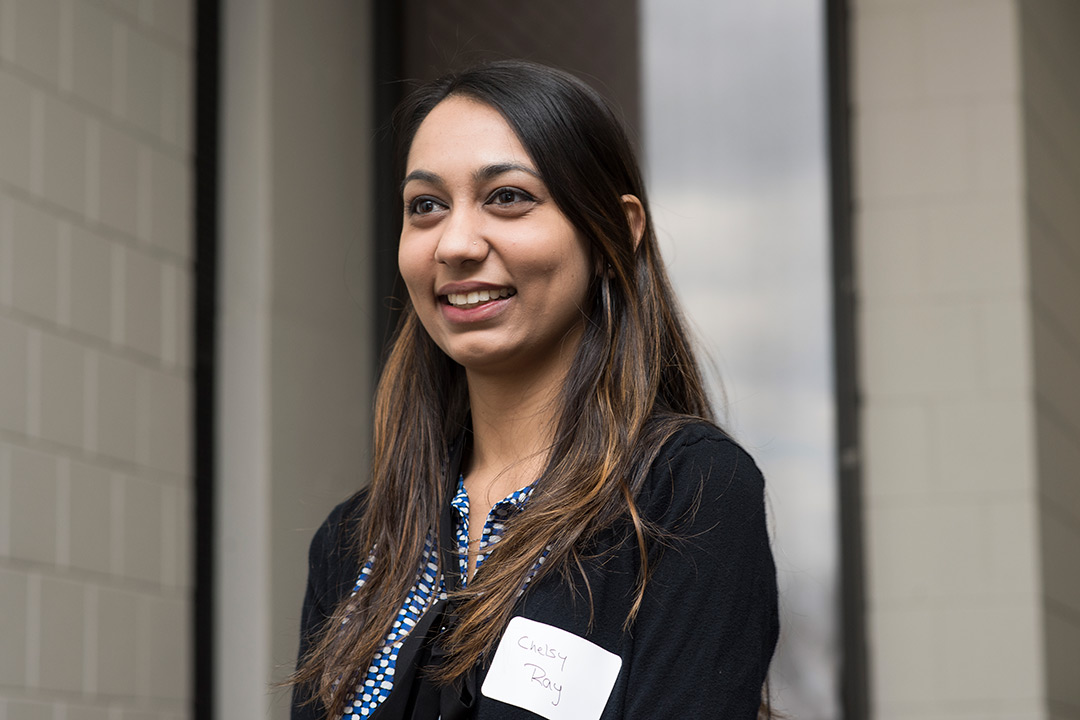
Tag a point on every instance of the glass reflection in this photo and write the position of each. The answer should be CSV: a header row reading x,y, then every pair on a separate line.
x,y
735,145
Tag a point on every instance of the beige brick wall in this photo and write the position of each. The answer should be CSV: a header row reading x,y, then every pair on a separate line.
x,y
95,371
967,160
954,589
1050,44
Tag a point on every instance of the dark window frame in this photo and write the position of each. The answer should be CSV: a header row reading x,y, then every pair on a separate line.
x,y
388,91
854,675
207,22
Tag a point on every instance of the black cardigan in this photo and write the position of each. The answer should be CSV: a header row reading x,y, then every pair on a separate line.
x,y
703,639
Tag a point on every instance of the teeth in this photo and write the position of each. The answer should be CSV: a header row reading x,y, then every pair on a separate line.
x,y
479,296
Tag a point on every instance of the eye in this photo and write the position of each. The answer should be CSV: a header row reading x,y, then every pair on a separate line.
x,y
509,196
423,205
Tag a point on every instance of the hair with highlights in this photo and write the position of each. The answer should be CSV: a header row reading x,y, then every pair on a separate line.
x,y
633,383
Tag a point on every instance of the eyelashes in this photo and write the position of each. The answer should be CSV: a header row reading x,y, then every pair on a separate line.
x,y
422,205
504,198
509,196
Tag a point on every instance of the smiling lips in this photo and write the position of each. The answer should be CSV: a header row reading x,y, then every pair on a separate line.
x,y
476,298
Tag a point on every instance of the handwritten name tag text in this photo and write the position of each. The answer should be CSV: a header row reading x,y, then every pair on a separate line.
x,y
542,649
552,672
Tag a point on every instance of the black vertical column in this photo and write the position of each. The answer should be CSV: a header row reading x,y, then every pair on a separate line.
x,y
207,106
854,670
388,87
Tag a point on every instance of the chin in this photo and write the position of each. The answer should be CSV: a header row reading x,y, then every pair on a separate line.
x,y
481,360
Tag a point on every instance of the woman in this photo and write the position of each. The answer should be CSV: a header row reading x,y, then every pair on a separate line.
x,y
544,450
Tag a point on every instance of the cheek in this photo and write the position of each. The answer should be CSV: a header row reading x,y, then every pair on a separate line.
x,y
559,253
411,265
578,267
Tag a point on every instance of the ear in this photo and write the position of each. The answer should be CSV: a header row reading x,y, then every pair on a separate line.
x,y
635,217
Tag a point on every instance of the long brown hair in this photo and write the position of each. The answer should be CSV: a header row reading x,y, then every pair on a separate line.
x,y
633,382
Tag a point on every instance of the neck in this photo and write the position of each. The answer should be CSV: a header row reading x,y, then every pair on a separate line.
x,y
513,422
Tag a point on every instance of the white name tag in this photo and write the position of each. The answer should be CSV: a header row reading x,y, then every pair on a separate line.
x,y
551,672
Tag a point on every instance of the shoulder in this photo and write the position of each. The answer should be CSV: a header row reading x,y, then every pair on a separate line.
x,y
701,469
332,547
698,436
342,518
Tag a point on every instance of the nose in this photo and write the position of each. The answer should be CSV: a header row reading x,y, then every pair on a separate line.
x,y
462,239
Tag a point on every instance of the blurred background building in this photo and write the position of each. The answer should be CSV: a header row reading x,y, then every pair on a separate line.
x,y
871,210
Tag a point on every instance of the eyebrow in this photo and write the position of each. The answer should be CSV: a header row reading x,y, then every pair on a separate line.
x,y
492,171
483,174
421,175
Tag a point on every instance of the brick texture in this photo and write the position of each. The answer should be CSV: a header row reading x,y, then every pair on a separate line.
x,y
967,165
95,275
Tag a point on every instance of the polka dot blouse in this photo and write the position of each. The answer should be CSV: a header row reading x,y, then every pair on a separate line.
x,y
376,685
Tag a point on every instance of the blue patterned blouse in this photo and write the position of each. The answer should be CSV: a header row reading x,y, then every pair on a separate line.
x,y
379,681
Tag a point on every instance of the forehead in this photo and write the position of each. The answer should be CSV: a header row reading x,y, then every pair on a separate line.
x,y
464,134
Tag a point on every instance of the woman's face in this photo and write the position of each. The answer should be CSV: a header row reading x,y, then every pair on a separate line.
x,y
497,274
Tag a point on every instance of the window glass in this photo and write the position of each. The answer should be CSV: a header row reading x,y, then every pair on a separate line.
x,y
735,144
